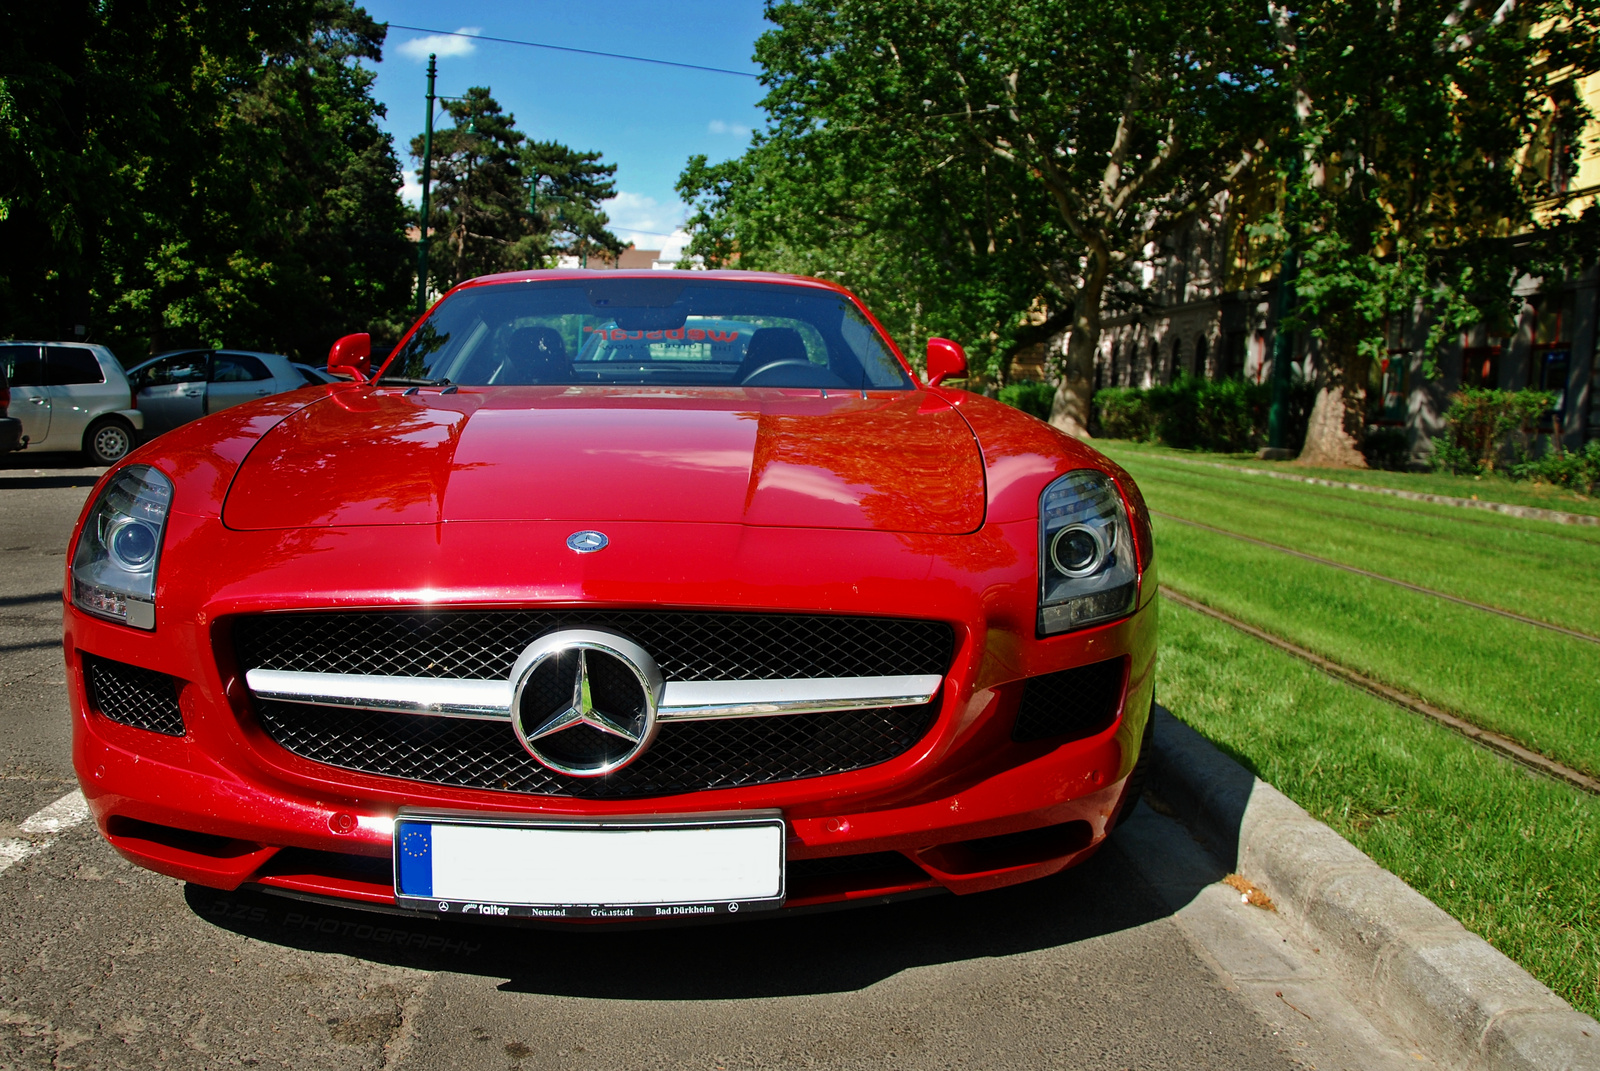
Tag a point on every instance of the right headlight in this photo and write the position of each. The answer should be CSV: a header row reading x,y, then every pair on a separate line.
x,y
1088,568
114,568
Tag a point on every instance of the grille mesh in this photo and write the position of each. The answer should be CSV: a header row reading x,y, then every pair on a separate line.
x,y
686,757
132,696
1073,703
688,646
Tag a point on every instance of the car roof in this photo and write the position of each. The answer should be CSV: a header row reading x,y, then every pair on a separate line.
x,y
49,342
597,274
203,349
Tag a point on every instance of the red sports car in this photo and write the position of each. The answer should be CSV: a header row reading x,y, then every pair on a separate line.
x,y
614,595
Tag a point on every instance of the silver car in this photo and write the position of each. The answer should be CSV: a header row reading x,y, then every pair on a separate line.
x,y
71,396
184,385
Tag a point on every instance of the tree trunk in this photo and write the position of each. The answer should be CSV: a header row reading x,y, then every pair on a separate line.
x,y
1074,398
1338,421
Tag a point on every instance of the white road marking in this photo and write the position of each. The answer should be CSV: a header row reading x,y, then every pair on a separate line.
x,y
14,851
68,811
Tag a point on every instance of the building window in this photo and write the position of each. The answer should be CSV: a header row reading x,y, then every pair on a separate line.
x,y
1199,366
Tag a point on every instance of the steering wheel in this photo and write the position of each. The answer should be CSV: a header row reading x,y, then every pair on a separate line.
x,y
787,362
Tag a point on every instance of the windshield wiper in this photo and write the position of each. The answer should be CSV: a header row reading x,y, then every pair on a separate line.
x,y
405,381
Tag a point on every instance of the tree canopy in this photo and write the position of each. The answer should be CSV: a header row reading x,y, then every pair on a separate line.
x,y
1422,173
501,202
1023,154
964,164
181,173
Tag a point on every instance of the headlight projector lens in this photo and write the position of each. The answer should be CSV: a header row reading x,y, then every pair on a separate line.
x,y
1088,573
119,548
1078,550
133,545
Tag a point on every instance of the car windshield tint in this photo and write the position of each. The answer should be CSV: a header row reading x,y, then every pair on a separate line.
x,y
669,332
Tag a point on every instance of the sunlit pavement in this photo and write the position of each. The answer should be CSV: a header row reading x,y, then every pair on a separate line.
x,y
106,965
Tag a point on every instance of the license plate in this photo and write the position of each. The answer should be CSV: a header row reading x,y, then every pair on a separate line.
x,y
628,868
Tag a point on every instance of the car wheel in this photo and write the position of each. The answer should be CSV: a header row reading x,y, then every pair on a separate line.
x,y
108,441
1141,766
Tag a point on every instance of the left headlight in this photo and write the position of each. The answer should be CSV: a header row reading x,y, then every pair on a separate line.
x,y
114,569
1088,569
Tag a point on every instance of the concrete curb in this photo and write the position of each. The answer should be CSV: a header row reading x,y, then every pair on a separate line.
x,y
1468,1004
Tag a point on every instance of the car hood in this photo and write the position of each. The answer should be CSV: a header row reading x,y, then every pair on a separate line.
x,y
901,461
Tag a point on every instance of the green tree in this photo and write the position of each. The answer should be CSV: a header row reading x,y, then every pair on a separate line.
x,y
481,219
107,114
1075,134
328,223
504,203
1422,163
940,254
196,173
296,235
567,189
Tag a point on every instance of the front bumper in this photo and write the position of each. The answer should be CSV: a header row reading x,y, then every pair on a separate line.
x,y
964,810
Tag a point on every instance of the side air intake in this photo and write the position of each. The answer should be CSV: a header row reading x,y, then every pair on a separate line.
x,y
1071,704
132,696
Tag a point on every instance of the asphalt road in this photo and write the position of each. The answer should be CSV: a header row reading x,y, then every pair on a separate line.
x,y
1136,960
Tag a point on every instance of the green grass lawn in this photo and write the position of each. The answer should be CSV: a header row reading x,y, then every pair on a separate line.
x,y
1546,571
1514,856
1536,686
1491,488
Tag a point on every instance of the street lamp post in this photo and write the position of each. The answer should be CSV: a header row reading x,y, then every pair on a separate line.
x,y
1282,353
1283,342
427,175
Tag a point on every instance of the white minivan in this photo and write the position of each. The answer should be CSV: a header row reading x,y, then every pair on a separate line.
x,y
70,397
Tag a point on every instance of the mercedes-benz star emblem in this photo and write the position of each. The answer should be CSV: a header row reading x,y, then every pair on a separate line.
x,y
584,701
587,541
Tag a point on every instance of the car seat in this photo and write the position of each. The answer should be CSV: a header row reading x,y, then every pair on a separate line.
x,y
534,355
771,345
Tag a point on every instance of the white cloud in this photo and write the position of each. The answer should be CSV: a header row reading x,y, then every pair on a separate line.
x,y
411,189
647,223
717,126
441,44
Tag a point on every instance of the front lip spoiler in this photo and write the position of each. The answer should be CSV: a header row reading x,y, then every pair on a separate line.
x,y
680,701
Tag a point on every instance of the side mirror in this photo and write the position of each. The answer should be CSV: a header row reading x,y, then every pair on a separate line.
x,y
352,354
945,358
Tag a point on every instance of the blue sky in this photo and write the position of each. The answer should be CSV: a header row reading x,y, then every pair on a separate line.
x,y
647,119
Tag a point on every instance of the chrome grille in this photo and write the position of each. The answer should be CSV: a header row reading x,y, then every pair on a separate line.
x,y
687,645
686,756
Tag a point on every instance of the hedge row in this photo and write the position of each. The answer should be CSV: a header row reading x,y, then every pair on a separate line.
x,y
1225,415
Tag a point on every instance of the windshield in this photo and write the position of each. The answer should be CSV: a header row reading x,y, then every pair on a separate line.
x,y
669,332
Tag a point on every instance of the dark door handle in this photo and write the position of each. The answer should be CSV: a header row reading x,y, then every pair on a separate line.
x,y
262,393
192,393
